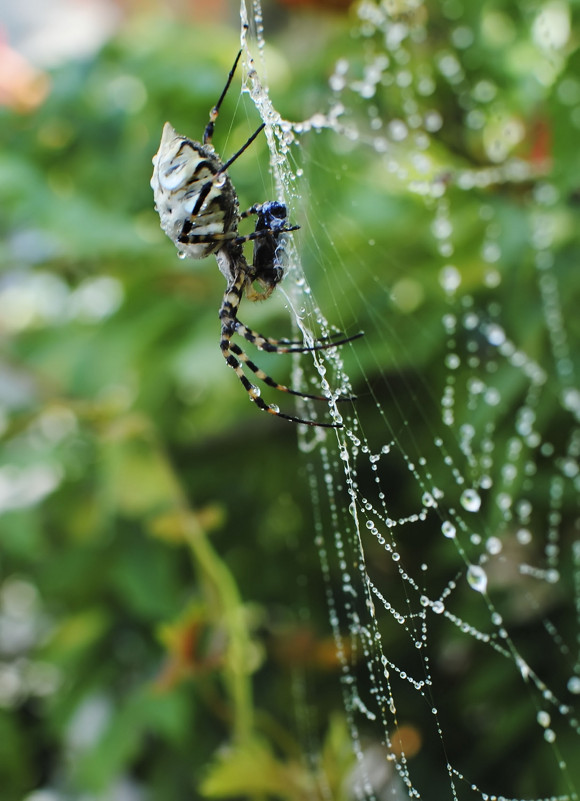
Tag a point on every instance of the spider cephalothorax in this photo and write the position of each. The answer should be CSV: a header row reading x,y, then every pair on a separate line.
x,y
268,249
199,211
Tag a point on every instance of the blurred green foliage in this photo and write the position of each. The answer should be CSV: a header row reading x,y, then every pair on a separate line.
x,y
158,564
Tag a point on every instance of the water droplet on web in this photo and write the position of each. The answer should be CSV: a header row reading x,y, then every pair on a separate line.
x,y
543,718
477,578
524,668
524,536
571,400
490,252
450,278
438,607
493,545
428,500
492,396
181,254
574,685
570,468
433,121
550,736
397,130
449,322
462,37
441,228
495,335
485,482
552,576
470,500
448,529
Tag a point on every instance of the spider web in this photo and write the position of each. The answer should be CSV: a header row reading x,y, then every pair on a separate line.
x,y
446,509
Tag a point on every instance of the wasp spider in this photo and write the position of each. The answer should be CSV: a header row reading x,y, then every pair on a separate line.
x,y
199,211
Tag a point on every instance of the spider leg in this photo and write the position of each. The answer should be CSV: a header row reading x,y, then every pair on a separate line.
x,y
292,345
205,239
243,356
236,155
255,209
227,314
213,114
266,232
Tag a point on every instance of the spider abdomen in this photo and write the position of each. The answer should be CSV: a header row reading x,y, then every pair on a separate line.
x,y
196,202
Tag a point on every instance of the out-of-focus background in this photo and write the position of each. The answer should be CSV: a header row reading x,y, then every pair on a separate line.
x,y
159,592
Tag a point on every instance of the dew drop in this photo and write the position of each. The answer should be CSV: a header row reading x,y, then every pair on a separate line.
x,y
448,529
524,668
433,121
550,735
397,129
493,545
543,718
428,499
450,278
470,500
492,396
477,578
552,576
495,335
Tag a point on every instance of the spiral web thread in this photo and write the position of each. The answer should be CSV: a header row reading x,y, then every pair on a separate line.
x,y
507,517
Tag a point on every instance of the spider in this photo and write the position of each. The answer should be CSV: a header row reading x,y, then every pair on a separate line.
x,y
199,211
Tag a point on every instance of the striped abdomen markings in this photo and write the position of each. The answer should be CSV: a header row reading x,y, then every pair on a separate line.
x,y
197,204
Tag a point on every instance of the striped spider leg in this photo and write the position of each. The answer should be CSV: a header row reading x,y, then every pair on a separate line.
x,y
199,211
284,345
236,357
